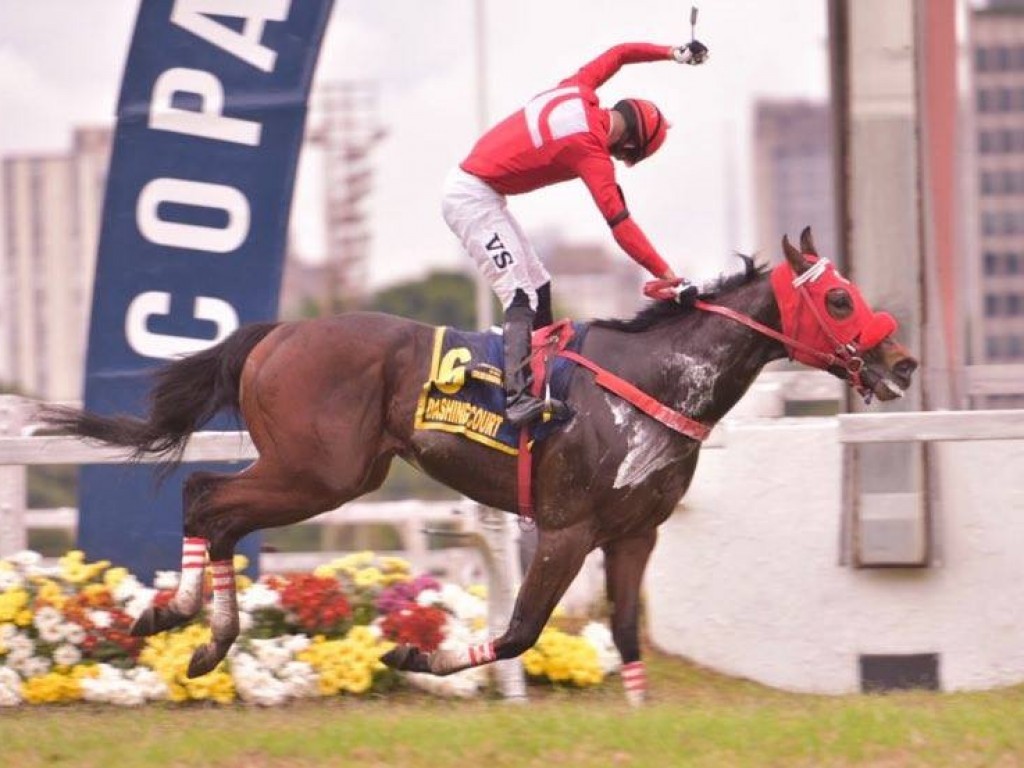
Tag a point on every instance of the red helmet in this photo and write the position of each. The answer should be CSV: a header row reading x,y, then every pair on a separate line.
x,y
645,132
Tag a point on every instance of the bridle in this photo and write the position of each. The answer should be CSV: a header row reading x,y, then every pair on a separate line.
x,y
842,356
797,294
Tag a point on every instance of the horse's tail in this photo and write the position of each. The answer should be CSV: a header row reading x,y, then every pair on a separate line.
x,y
186,394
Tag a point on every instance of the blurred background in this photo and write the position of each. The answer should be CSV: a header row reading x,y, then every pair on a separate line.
x,y
402,91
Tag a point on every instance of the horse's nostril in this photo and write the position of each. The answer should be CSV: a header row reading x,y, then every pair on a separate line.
x,y
904,369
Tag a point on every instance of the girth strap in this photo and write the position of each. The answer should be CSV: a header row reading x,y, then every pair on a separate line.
x,y
657,410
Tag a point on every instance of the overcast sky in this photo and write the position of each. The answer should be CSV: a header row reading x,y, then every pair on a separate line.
x,y
61,63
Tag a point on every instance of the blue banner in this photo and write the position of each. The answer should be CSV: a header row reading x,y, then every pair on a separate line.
x,y
210,123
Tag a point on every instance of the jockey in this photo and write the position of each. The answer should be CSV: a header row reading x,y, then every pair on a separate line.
x,y
560,134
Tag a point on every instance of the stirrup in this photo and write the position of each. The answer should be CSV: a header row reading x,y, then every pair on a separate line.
x,y
527,409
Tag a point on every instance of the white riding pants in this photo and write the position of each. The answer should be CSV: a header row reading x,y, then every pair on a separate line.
x,y
480,218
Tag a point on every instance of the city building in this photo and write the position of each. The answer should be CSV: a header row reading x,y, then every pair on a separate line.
x,y
588,281
793,174
51,207
997,46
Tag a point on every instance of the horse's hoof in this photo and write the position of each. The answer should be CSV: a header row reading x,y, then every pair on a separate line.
x,y
155,620
205,658
406,658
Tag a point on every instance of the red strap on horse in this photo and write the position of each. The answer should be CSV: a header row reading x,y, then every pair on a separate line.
x,y
546,343
524,475
655,409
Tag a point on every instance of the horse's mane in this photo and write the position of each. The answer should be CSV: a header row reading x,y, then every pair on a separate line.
x,y
658,311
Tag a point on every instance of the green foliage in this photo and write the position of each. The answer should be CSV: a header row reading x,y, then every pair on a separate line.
x,y
443,298
52,486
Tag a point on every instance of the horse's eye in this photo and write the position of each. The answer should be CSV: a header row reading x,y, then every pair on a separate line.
x,y
839,302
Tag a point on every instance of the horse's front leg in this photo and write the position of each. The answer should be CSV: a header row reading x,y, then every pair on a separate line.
x,y
624,563
560,555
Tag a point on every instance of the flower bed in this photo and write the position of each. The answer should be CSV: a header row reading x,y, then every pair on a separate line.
x,y
64,635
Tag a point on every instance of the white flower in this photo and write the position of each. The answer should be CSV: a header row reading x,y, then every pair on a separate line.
x,y
47,617
36,666
599,636
296,643
19,648
461,603
166,579
73,633
131,688
463,685
138,601
129,588
258,596
51,633
10,687
270,654
428,597
10,580
25,559
100,619
66,655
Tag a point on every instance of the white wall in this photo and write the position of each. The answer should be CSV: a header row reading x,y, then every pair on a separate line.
x,y
745,578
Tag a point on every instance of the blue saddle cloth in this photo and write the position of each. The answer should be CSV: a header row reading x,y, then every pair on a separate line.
x,y
464,392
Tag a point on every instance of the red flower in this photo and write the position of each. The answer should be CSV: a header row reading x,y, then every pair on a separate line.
x,y
418,625
316,604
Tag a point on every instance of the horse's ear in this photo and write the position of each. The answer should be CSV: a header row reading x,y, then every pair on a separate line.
x,y
794,257
807,242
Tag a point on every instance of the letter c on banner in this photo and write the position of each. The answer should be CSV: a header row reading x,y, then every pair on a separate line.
x,y
162,346
195,194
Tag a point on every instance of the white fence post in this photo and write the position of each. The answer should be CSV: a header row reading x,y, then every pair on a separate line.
x,y
13,534
503,577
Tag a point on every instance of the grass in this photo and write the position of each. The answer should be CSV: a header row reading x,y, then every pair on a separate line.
x,y
696,718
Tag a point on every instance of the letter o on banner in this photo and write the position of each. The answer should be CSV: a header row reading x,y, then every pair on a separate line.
x,y
194,194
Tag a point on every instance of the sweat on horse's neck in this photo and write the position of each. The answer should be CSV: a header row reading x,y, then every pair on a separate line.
x,y
697,362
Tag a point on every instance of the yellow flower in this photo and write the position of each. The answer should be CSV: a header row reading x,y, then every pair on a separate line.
x,y
11,604
168,654
324,572
51,688
95,593
241,562
367,577
50,592
478,590
391,564
114,576
533,662
362,635
24,618
80,671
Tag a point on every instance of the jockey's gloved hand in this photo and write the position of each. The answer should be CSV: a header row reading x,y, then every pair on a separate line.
x,y
692,53
686,293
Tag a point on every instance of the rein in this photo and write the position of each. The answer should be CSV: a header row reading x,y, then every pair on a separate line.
x,y
826,358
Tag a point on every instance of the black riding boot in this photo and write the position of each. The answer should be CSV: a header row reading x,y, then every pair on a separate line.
x,y
520,406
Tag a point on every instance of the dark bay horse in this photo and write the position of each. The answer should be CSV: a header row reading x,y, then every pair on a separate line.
x,y
330,402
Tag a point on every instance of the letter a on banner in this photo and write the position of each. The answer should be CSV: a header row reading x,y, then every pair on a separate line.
x,y
210,123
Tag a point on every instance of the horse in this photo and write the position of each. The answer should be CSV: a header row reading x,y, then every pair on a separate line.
x,y
330,402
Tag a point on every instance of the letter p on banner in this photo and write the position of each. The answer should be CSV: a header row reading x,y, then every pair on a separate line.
x,y
210,123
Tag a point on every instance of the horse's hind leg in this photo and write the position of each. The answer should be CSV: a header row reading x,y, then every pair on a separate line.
x,y
625,562
188,599
560,555
264,496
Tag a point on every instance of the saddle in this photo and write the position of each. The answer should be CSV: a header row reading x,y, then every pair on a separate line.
x,y
464,391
